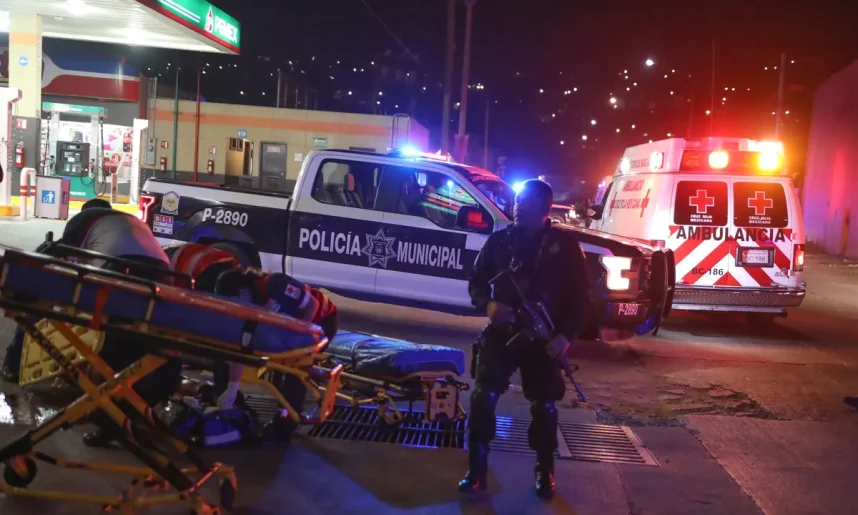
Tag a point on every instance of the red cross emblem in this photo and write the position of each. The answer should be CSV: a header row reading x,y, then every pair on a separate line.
x,y
760,203
702,202
644,203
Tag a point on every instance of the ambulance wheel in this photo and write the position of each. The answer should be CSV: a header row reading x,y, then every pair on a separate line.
x,y
227,494
762,320
235,250
13,479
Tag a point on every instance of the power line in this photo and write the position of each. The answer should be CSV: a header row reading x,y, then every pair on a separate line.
x,y
389,31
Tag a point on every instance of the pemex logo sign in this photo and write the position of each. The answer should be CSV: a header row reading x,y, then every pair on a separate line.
x,y
210,21
204,18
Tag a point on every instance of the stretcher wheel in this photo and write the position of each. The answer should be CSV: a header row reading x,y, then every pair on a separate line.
x,y
227,494
10,475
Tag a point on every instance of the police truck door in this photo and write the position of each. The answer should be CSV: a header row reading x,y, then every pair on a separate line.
x,y
428,248
332,225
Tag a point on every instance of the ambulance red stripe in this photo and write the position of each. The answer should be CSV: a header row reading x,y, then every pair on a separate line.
x,y
727,280
714,257
759,275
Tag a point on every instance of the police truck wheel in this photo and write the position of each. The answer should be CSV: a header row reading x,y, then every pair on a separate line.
x,y
12,478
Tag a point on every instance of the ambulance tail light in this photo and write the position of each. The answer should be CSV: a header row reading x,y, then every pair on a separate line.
x,y
798,258
620,272
719,159
143,206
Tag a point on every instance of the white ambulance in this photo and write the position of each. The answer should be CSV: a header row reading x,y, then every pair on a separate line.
x,y
726,209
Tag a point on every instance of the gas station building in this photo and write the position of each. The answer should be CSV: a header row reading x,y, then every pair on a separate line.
x,y
191,25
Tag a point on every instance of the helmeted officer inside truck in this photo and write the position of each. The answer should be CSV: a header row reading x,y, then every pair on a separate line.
x,y
552,270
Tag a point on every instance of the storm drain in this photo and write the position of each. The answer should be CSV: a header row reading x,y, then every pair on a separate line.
x,y
364,425
582,442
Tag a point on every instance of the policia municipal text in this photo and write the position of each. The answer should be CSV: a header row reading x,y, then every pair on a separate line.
x,y
547,265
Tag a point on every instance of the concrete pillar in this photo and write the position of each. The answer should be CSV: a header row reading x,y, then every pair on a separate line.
x,y
25,61
8,97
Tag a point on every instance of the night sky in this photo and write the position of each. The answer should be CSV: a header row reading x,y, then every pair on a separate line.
x,y
577,53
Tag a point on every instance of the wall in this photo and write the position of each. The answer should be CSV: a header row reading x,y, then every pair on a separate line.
x,y
830,198
295,127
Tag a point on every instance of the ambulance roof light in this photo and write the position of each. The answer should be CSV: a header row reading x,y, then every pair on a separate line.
x,y
769,161
719,159
768,146
625,165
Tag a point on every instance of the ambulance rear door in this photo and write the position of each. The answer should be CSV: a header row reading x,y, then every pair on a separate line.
x,y
699,231
762,232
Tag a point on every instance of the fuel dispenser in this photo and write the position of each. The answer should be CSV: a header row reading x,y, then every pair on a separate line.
x,y
73,159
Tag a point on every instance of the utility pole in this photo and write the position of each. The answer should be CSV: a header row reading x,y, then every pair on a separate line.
x,y
780,107
448,76
462,138
176,117
279,77
486,138
712,95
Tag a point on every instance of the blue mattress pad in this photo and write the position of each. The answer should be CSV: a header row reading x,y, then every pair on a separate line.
x,y
379,357
190,312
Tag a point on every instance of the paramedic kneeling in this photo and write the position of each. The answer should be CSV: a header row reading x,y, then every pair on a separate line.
x,y
101,229
551,268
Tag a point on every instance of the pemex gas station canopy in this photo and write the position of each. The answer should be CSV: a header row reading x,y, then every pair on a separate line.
x,y
193,25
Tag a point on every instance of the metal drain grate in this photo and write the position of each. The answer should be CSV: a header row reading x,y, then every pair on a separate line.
x,y
582,442
265,407
364,425
604,444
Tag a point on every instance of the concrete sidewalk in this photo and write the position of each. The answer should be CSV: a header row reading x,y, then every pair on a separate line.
x,y
788,468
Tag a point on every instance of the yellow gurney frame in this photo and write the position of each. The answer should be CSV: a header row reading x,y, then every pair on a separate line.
x,y
114,404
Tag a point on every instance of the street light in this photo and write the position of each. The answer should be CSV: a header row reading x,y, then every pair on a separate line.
x,y
613,100
592,122
650,62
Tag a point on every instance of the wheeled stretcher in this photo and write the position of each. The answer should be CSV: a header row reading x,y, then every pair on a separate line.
x,y
174,322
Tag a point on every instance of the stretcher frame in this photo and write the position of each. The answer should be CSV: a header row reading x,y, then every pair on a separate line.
x,y
117,408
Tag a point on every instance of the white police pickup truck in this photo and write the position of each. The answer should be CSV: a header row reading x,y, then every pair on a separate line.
x,y
398,229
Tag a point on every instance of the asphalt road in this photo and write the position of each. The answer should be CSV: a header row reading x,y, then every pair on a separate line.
x,y
797,369
760,423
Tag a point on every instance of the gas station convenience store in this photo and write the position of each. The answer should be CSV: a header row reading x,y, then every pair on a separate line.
x,y
78,141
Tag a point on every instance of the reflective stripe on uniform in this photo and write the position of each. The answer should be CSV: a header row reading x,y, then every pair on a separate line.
x,y
193,259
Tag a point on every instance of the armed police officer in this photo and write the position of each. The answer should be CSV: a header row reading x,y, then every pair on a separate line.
x,y
541,263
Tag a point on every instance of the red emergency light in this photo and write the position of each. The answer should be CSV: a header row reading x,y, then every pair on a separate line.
x,y
735,161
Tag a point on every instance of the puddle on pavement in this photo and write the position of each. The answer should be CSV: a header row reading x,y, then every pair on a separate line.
x,y
22,410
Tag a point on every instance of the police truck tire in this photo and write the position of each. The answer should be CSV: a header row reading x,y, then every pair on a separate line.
x,y
235,250
590,332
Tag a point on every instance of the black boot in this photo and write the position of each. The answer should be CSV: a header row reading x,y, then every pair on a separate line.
x,y
478,468
544,476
